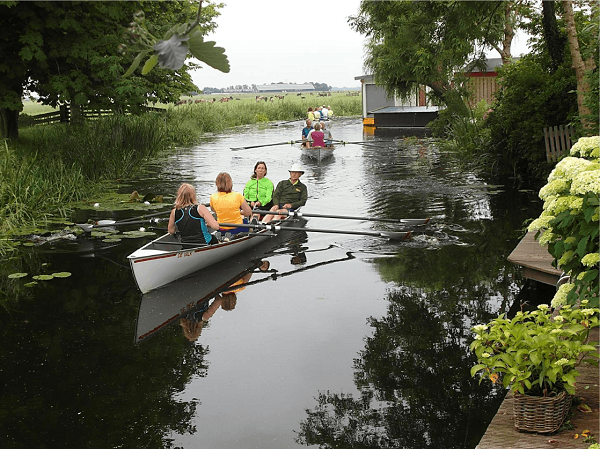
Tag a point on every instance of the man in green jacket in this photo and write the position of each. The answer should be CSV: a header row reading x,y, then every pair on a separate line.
x,y
289,194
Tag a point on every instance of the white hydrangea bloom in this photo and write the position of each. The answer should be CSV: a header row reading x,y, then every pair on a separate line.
x,y
586,182
560,298
589,260
586,146
547,237
542,222
554,187
568,169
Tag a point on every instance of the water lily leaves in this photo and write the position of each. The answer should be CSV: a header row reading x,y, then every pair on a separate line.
x,y
43,277
30,284
17,275
111,240
136,234
61,274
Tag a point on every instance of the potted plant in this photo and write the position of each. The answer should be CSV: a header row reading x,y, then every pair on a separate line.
x,y
536,354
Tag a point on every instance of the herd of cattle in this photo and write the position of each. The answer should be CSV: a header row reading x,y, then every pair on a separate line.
x,y
227,99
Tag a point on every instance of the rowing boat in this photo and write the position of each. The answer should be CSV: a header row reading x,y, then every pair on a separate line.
x,y
318,153
166,259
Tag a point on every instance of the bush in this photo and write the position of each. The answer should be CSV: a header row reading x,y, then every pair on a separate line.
x,y
569,221
530,99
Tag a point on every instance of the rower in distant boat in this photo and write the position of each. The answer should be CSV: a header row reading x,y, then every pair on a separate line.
x,y
316,137
305,131
327,135
324,113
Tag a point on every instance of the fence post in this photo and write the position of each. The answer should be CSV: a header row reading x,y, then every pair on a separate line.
x,y
64,113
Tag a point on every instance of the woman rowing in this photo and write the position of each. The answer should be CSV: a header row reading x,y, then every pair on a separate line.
x,y
230,207
191,219
317,137
258,192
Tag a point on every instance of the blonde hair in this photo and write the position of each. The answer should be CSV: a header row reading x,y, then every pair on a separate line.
x,y
317,126
186,196
224,182
191,329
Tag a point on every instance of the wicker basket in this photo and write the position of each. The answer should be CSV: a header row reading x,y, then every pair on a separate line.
x,y
541,414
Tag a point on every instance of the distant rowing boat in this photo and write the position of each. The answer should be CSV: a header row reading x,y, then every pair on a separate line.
x,y
318,153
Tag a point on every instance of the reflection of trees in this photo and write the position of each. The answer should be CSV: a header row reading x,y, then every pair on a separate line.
x,y
72,376
416,389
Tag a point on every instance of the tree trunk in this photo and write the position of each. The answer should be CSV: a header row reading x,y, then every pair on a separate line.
x,y
509,34
9,123
555,43
583,86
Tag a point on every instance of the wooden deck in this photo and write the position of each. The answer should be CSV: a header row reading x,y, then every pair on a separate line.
x,y
501,433
535,260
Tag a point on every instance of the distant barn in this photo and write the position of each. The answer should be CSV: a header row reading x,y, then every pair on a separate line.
x,y
291,87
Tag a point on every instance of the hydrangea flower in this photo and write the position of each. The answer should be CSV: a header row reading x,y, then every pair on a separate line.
x,y
555,187
586,182
560,298
586,147
589,260
543,222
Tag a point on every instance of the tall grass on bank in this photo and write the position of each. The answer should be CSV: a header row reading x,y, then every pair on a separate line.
x,y
188,122
33,186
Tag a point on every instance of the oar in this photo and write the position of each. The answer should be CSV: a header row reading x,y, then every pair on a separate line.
x,y
367,144
289,121
109,223
276,228
290,142
167,212
409,221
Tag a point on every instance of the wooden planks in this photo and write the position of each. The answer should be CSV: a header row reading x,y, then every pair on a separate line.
x,y
535,260
558,141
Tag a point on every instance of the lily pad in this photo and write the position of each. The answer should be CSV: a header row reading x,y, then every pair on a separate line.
x,y
61,274
111,240
43,277
30,284
28,244
17,275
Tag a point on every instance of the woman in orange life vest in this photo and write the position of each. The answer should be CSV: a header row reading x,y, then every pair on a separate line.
x,y
230,207
191,219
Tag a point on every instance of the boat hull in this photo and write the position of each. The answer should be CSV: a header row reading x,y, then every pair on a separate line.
x,y
318,153
165,260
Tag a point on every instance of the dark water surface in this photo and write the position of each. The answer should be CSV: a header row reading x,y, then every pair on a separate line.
x,y
346,341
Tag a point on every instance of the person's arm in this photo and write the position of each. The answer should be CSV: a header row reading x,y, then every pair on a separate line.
x,y
208,217
246,209
172,227
303,198
266,194
277,194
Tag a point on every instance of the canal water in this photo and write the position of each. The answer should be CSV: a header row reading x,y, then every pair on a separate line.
x,y
331,340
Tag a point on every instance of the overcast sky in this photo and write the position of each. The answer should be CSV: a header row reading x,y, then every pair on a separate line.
x,y
287,41
292,42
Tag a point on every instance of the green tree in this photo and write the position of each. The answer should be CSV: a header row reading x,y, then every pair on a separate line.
x,y
68,52
428,42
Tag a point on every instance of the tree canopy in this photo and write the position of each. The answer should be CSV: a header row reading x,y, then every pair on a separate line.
x,y
426,43
69,52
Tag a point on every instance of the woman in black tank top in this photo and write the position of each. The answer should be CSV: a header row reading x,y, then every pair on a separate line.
x,y
191,219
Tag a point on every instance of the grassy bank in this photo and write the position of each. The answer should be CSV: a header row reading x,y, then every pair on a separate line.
x,y
53,165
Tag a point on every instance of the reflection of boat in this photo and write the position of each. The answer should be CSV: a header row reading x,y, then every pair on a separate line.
x,y
318,153
166,259
163,307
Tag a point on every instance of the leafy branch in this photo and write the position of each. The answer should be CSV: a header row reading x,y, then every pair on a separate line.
x,y
171,51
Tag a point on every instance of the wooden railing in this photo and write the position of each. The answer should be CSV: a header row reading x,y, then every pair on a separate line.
x,y
63,115
559,140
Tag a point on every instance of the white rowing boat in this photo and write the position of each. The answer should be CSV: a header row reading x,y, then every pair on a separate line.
x,y
166,259
318,153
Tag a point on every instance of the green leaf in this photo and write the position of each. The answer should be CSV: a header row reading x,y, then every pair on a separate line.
x,y
208,53
476,368
61,274
150,63
136,62
581,246
17,275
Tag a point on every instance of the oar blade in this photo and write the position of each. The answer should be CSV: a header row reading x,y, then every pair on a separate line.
x,y
415,221
393,235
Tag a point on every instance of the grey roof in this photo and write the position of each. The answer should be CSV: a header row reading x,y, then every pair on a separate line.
x,y
282,87
399,109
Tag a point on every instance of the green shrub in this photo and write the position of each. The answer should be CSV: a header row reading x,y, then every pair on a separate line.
x,y
530,99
